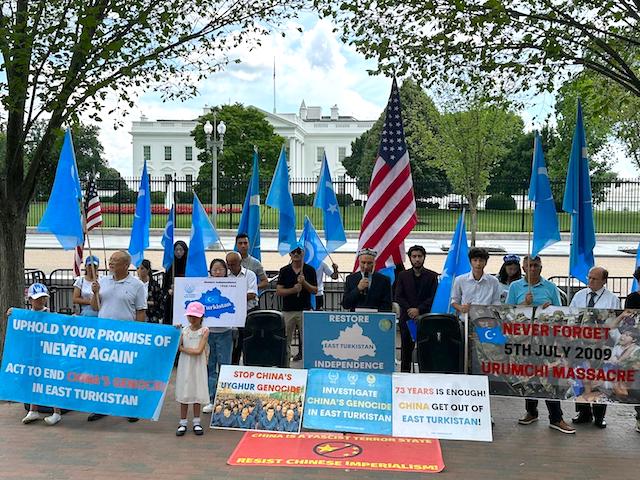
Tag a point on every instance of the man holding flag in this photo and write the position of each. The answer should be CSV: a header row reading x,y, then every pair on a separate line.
x,y
296,284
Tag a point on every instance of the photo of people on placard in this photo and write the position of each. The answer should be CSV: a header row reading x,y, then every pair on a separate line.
x,y
257,412
583,354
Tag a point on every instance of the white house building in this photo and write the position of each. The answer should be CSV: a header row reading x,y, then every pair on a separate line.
x,y
169,148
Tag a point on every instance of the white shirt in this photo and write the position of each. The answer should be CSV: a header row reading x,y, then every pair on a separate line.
x,y
86,293
252,285
468,290
320,273
603,299
120,299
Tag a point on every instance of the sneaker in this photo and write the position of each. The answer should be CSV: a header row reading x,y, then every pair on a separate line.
x,y
638,425
297,358
563,427
197,429
528,419
53,419
208,408
182,429
31,417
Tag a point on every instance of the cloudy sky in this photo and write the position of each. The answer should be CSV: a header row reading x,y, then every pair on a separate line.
x,y
314,65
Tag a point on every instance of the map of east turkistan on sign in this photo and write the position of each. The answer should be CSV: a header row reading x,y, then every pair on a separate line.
x,y
351,344
224,300
215,304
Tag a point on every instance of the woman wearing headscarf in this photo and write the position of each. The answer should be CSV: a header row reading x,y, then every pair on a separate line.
x,y
509,272
177,269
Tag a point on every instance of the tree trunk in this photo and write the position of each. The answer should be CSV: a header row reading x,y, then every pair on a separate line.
x,y
13,235
473,209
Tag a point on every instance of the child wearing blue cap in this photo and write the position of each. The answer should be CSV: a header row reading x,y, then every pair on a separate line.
x,y
38,298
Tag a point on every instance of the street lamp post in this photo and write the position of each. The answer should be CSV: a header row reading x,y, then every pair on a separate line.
x,y
213,144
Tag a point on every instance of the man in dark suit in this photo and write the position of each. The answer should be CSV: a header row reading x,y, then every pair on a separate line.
x,y
415,290
366,288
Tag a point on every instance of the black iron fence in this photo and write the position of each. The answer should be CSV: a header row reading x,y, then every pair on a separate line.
x,y
616,205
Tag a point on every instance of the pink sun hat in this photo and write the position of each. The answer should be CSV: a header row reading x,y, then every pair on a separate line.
x,y
194,309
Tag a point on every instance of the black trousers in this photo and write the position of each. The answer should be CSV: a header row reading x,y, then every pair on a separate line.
x,y
319,302
555,412
406,348
595,410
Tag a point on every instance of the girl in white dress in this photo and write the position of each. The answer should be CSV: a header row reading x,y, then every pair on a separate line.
x,y
191,379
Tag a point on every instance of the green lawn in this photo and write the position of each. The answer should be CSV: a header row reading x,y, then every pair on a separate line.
x,y
428,219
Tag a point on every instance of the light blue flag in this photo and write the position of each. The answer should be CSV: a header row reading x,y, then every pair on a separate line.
x,y
578,203
545,219
62,216
203,236
139,241
634,285
327,201
250,218
167,240
279,197
314,250
457,263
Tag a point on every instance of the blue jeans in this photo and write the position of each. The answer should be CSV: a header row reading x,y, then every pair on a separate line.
x,y
220,345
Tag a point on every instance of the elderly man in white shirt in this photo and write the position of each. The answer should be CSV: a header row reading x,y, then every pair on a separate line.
x,y
596,295
119,296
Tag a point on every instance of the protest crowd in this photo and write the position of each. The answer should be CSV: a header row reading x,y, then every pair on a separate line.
x,y
379,283
124,296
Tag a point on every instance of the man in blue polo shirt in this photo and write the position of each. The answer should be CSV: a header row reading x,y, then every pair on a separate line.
x,y
535,290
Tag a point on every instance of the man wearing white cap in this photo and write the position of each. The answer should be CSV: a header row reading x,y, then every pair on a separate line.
x,y
366,288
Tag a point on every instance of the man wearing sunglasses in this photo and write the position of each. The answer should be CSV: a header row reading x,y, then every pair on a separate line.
x,y
296,283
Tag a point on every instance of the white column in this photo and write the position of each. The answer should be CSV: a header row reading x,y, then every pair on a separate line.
x,y
292,157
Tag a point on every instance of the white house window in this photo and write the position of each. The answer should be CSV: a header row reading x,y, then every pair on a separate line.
x,y
319,154
188,154
189,179
342,153
146,152
167,153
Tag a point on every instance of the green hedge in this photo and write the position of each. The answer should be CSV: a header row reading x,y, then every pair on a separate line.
x,y
500,202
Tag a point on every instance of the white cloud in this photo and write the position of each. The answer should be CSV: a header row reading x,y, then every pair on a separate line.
x,y
313,65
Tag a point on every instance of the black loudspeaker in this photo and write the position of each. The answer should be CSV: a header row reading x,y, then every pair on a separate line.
x,y
440,345
265,339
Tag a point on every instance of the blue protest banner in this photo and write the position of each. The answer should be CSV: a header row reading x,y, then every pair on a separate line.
x,y
349,340
88,364
345,401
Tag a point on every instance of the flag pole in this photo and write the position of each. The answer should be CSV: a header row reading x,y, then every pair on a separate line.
x,y
83,212
529,246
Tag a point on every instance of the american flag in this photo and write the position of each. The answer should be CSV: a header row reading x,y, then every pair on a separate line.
x,y
92,206
93,212
390,213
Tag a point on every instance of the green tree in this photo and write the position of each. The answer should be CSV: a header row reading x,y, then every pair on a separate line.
x,y
472,143
62,58
246,127
89,157
513,45
598,133
512,172
421,119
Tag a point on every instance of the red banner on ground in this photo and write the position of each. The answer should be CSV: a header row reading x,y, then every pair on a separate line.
x,y
334,450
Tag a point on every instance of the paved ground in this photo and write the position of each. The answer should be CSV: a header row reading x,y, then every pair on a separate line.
x,y
112,448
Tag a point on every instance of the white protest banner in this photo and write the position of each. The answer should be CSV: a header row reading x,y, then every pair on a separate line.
x,y
259,398
224,300
444,406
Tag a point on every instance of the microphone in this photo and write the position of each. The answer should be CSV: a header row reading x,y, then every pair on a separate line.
x,y
366,290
